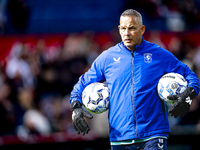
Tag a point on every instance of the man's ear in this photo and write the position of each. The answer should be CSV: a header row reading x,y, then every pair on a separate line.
x,y
143,29
119,29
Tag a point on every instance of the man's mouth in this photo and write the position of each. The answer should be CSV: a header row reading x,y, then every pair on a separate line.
x,y
127,40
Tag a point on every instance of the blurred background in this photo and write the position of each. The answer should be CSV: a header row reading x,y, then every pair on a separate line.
x,y
45,45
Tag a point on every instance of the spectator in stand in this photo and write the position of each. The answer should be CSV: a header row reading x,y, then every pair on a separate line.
x,y
18,67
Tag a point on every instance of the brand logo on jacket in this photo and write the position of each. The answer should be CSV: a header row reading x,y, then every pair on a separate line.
x,y
147,57
117,60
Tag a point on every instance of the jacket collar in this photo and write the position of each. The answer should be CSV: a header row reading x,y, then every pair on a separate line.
x,y
137,47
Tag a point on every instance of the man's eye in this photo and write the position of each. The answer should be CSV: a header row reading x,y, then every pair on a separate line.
x,y
132,28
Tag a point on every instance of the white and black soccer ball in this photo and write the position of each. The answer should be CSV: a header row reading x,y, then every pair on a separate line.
x,y
171,84
95,97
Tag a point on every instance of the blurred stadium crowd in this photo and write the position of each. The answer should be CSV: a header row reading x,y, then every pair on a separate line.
x,y
38,72
171,15
36,80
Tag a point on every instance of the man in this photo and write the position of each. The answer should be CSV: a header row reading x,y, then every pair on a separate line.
x,y
137,117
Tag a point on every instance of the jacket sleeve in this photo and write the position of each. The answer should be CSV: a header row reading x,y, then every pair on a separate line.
x,y
174,65
94,74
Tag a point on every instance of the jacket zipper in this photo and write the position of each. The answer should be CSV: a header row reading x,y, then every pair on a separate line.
x,y
133,102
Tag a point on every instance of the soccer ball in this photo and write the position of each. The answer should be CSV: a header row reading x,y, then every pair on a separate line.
x,y
95,97
171,84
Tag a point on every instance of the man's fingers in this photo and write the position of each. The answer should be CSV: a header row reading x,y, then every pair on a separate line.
x,y
82,126
76,128
179,109
174,109
87,114
79,122
172,97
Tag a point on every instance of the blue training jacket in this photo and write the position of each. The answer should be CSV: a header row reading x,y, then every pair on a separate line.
x,y
135,110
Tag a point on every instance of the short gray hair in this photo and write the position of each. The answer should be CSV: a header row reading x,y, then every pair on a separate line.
x,y
132,12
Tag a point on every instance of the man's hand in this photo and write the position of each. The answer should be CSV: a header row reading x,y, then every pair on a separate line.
x,y
182,106
78,121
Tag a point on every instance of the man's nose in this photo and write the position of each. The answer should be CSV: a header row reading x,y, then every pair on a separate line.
x,y
127,32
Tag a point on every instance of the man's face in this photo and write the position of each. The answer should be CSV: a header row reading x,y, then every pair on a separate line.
x,y
131,31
